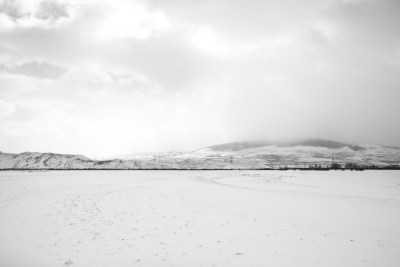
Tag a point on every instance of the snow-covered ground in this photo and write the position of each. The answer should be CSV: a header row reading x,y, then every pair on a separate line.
x,y
199,218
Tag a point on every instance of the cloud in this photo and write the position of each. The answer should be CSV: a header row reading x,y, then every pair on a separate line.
x,y
99,77
41,70
51,10
124,19
35,13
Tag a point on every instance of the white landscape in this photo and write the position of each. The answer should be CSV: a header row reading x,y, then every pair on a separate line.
x,y
199,218
187,133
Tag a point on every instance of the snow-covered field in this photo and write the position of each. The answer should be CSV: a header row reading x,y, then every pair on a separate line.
x,y
199,218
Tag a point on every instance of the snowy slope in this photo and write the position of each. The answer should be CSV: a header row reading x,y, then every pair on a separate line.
x,y
239,155
191,218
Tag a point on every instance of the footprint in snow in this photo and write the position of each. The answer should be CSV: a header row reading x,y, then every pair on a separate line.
x,y
68,262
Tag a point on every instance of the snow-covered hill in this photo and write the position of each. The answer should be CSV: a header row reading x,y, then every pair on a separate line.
x,y
238,155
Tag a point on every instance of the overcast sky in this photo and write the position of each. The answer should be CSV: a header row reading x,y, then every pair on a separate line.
x,y
103,78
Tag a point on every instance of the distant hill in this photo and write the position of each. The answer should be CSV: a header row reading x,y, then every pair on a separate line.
x,y
36,160
236,146
236,155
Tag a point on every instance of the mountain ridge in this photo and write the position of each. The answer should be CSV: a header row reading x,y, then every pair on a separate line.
x,y
315,142
235,155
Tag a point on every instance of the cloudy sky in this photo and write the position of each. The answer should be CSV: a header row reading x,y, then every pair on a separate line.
x,y
103,78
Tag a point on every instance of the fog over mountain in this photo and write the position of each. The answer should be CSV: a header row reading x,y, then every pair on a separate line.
x,y
306,142
104,78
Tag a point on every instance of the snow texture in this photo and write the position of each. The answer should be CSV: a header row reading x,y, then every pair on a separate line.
x,y
199,218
